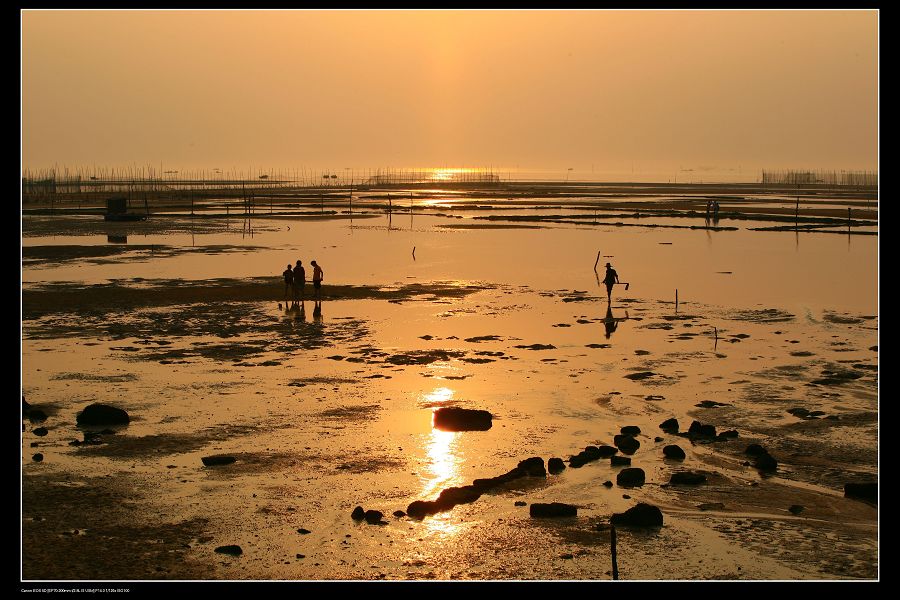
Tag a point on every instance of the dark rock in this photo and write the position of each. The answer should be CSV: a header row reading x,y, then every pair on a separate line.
x,y
731,433
765,462
373,516
795,509
710,404
35,444
36,415
107,432
399,514
755,450
607,483
695,427
642,515
816,413
687,478
533,466
37,457
452,496
233,550
553,509
102,414
631,477
419,509
674,452
605,451
708,431
492,482
25,406
218,459
862,491
567,556
520,503
669,425
626,444
640,375
462,419
358,514
626,496
711,506
798,412
555,465
619,461
41,431
303,531
630,430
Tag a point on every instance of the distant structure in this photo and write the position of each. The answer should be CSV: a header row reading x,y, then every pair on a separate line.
x,y
848,178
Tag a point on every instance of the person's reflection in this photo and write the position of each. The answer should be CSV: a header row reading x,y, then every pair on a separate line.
x,y
611,323
317,312
301,313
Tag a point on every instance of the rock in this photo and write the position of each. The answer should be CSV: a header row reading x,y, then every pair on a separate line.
x,y
669,425
233,550
674,452
373,516
626,496
755,450
687,478
619,461
798,412
695,427
640,375
358,514
555,465
41,431
626,444
642,515
657,439
418,509
816,413
533,466
710,404
795,509
217,460
102,414
462,419
303,531
711,506
630,430
452,496
520,503
607,483
399,514
605,451
765,462
731,433
37,457
631,477
36,415
591,453
708,431
553,509
35,444
25,406
862,491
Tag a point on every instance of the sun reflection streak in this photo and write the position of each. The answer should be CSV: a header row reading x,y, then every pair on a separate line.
x,y
444,467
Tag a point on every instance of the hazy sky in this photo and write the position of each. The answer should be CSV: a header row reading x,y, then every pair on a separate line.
x,y
537,89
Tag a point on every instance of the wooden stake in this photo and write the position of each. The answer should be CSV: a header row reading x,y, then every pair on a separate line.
x,y
596,262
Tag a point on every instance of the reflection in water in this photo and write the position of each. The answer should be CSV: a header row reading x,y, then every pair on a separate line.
x,y
444,467
611,323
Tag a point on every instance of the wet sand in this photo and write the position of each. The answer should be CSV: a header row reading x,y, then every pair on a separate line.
x,y
327,410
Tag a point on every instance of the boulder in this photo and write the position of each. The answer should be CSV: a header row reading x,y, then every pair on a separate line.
x,y
606,451
37,457
36,415
418,509
607,483
695,427
862,491
520,503
795,509
687,478
233,550
641,515
553,509
303,531
358,514
669,425
765,462
630,430
657,439
41,431
674,452
708,431
102,414
555,465
533,466
755,450
217,460
626,444
452,496
630,477
731,433
373,516
462,419
619,461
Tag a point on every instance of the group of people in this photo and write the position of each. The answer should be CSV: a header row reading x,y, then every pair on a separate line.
x,y
712,206
295,281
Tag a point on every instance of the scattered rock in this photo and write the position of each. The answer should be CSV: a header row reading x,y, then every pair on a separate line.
x,y
631,477
373,516
217,460
642,515
710,404
626,444
641,352
674,452
687,478
399,514
102,414
303,531
462,419
520,503
657,439
41,431
233,550
555,465
619,461
533,467
537,347
358,514
862,491
798,412
669,425
755,450
630,430
731,433
795,509
765,462
640,375
553,509
37,457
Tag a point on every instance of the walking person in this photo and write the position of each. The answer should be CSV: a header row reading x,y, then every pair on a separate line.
x,y
611,279
318,276
288,282
299,281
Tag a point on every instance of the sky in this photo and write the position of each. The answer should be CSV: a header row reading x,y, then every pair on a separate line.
x,y
542,90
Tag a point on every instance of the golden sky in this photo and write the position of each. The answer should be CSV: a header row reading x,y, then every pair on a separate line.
x,y
534,89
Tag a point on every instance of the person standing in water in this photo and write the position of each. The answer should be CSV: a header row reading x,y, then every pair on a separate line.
x,y
318,276
288,282
299,281
610,280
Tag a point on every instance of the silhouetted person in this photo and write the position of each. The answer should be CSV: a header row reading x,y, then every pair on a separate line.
x,y
611,279
716,209
288,282
318,276
708,208
299,281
